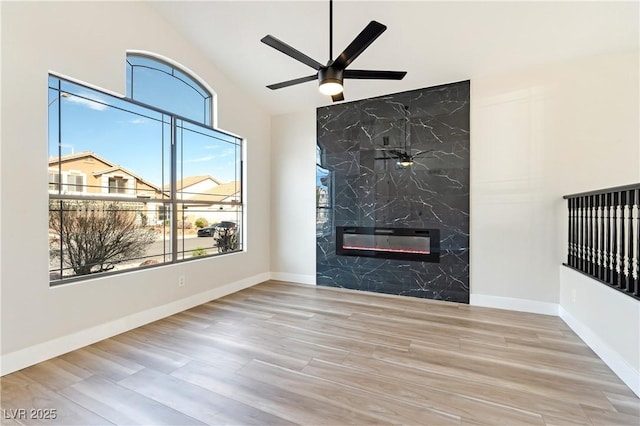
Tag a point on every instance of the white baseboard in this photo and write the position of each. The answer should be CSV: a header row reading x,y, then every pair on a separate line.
x,y
294,278
22,358
626,372
513,304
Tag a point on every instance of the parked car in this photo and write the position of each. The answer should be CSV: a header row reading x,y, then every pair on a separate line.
x,y
225,225
208,231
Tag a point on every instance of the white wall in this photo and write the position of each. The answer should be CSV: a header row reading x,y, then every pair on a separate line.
x,y
607,320
536,136
88,41
293,153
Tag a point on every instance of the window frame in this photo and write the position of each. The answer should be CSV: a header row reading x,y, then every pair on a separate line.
x,y
209,116
167,206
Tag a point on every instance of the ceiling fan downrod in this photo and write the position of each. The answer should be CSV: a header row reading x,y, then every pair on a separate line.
x,y
330,31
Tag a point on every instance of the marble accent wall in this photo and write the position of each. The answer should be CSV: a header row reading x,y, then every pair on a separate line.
x,y
358,184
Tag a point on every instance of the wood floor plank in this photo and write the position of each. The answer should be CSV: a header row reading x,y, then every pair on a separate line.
x,y
197,402
21,395
463,384
148,355
477,369
101,362
523,372
286,403
456,404
627,403
56,373
328,392
599,416
262,335
123,406
282,353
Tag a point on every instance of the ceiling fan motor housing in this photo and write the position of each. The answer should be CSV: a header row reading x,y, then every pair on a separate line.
x,y
330,75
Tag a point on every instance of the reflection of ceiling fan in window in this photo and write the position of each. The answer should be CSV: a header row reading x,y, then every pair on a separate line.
x,y
404,157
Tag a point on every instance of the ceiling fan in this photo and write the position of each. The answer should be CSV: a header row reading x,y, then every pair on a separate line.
x,y
330,77
405,157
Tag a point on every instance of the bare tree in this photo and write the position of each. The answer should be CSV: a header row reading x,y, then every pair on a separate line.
x,y
97,235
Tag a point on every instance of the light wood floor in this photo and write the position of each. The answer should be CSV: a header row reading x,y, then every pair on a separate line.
x,y
282,353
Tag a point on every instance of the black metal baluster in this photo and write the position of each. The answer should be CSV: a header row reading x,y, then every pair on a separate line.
x,y
570,223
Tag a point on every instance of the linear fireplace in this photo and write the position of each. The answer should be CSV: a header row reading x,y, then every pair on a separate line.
x,y
390,243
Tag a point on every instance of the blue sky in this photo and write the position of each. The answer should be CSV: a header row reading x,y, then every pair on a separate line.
x,y
136,137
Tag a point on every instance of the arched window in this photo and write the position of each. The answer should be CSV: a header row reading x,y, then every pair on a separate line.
x,y
133,182
181,94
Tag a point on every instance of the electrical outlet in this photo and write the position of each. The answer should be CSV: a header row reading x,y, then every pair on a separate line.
x,y
573,295
181,281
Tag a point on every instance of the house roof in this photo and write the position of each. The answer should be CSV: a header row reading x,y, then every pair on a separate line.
x,y
192,180
112,166
125,171
78,155
219,193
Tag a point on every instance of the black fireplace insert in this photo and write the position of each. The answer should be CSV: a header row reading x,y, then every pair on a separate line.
x,y
389,243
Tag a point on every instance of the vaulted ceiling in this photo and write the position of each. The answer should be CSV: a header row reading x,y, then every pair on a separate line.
x,y
436,42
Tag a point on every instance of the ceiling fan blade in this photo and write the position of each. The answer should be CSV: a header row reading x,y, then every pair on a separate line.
x,y
339,97
359,44
422,152
283,47
369,74
292,82
384,158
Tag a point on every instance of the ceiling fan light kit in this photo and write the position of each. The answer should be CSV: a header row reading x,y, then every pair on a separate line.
x,y
330,77
330,81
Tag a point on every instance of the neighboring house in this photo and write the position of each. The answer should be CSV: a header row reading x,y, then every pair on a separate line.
x,y
212,200
188,187
88,174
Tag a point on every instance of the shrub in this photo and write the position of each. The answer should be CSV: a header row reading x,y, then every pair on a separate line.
x,y
199,252
185,224
201,222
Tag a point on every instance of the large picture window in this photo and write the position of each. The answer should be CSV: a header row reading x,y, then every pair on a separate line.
x,y
133,185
